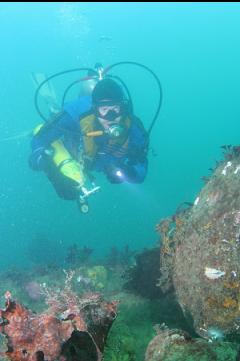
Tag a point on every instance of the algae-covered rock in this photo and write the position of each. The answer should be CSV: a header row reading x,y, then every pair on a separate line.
x,y
97,276
176,345
201,251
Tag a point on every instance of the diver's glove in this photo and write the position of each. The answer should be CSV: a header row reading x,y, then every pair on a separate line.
x,y
124,172
114,177
112,173
128,171
37,159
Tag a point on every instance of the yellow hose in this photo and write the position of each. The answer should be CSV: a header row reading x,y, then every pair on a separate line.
x,y
96,133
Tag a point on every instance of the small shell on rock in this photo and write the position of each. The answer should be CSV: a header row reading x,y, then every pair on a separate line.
x,y
196,201
229,164
213,273
237,169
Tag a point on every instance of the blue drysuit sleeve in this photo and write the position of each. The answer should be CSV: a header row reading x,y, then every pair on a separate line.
x,y
66,121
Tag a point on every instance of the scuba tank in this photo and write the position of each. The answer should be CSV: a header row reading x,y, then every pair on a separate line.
x,y
71,169
63,160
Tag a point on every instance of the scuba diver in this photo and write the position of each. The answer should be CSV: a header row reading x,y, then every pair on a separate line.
x,y
96,132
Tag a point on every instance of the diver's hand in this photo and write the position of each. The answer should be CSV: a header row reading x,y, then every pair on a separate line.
x,y
113,173
120,173
38,158
115,177
134,173
127,171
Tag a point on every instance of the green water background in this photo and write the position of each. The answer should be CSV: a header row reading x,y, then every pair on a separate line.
x,y
192,47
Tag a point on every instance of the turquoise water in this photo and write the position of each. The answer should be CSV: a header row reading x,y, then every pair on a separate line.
x,y
193,48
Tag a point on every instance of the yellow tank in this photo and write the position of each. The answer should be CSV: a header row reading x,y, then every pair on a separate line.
x,y
63,160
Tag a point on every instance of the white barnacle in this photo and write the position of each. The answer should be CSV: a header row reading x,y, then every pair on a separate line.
x,y
234,273
79,279
196,201
224,171
213,273
237,169
237,218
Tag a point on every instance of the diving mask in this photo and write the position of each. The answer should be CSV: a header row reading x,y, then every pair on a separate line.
x,y
109,112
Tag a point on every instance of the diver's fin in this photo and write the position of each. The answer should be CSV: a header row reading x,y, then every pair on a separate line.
x,y
47,89
26,134
47,92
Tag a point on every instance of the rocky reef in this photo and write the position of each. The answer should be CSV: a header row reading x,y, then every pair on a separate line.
x,y
177,345
142,277
200,252
72,328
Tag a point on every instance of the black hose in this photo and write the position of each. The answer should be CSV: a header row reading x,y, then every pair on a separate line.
x,y
158,83
50,78
107,76
92,71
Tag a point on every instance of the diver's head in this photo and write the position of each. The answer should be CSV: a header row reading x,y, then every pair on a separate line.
x,y
109,102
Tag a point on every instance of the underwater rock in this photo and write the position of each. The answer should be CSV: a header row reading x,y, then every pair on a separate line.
x,y
74,331
176,345
200,252
142,278
78,256
120,257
